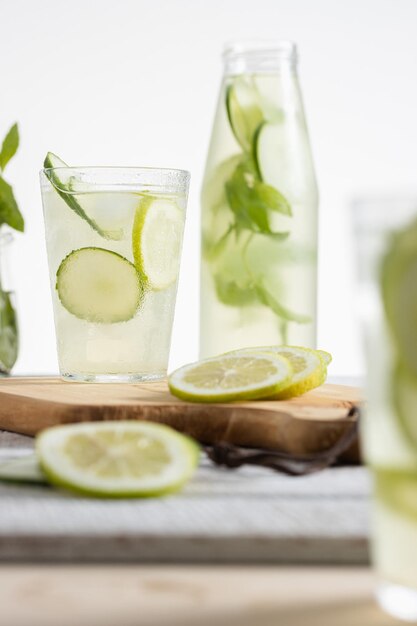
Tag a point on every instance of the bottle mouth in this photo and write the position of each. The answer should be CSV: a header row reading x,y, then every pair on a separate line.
x,y
260,51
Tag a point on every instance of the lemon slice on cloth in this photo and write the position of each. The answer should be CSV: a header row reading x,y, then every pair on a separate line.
x,y
117,459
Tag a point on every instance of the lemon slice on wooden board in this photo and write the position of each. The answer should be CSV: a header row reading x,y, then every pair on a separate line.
x,y
309,367
231,377
117,459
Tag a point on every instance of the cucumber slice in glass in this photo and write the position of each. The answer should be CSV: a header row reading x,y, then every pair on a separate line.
x,y
243,110
65,191
157,241
99,286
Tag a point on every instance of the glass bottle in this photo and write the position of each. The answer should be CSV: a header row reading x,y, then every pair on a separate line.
x,y
259,208
9,338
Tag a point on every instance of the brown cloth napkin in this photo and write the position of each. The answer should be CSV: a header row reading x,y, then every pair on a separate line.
x,y
231,456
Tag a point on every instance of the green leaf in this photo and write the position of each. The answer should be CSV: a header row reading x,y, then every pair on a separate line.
x,y
273,198
251,200
9,342
211,250
10,146
213,192
230,293
285,314
64,191
277,236
9,211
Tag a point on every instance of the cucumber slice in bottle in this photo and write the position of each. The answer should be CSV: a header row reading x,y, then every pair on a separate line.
x,y
243,110
64,190
157,241
99,286
271,153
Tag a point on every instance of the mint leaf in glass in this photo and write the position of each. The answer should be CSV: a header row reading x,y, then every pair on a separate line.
x,y
52,164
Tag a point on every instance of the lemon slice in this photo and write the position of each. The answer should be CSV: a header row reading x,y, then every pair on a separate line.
x,y
231,377
326,356
117,459
157,241
309,367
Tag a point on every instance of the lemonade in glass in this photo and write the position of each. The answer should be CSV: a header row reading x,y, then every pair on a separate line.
x,y
114,239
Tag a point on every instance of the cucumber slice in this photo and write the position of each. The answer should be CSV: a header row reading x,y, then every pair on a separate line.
x,y
22,470
65,191
404,394
157,241
99,286
397,490
271,154
399,291
243,110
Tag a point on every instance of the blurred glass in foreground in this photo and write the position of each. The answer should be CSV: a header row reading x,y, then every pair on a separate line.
x,y
386,240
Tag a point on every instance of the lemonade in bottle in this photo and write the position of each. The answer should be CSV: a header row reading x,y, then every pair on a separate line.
x,y
259,208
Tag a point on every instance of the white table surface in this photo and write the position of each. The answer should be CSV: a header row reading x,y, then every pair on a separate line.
x,y
251,515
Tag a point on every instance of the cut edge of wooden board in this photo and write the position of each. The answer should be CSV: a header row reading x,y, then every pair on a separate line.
x,y
193,549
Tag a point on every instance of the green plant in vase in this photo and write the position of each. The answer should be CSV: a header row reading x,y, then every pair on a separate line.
x,y
10,217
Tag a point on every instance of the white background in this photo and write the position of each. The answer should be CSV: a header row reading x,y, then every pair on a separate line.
x,y
134,82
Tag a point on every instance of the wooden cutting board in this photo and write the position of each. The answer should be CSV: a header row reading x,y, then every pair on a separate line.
x,y
310,423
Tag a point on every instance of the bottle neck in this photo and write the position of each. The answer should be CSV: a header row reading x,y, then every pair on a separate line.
x,y
259,57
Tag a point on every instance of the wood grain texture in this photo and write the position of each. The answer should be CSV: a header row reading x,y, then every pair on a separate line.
x,y
310,423
186,596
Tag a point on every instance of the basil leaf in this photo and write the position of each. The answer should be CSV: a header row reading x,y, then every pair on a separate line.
x,y
251,200
9,146
211,250
285,314
9,211
273,198
9,342
230,293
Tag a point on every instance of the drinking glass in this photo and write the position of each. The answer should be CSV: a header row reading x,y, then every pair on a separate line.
x,y
114,239
386,238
